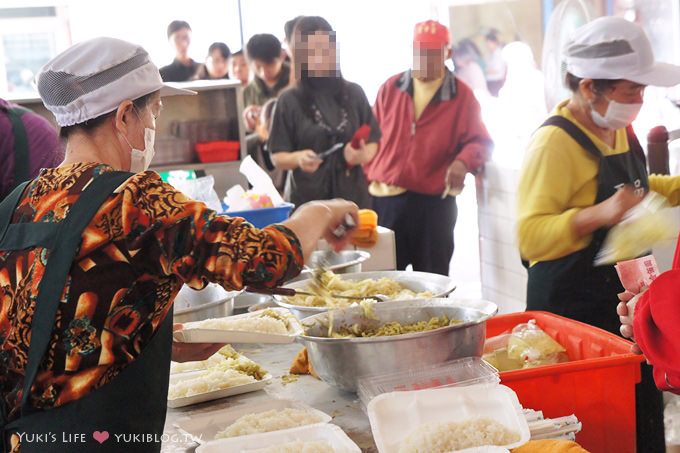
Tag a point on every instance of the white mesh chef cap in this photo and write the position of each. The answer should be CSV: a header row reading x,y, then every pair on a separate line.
x,y
93,77
613,48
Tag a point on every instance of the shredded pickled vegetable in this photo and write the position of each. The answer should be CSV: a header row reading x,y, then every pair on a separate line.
x,y
390,328
331,283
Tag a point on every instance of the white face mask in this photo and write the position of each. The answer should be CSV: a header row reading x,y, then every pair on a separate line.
x,y
617,115
141,159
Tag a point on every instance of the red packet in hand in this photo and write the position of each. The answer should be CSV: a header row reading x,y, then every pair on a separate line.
x,y
637,273
361,134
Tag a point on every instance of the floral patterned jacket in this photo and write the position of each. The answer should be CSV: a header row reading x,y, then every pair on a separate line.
x,y
146,240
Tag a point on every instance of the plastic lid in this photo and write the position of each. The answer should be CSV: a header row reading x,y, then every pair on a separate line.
x,y
460,372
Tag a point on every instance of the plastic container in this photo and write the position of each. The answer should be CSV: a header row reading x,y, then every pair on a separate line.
x,y
218,150
597,384
395,415
461,372
262,217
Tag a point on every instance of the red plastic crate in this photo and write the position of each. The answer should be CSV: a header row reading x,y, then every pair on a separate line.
x,y
597,384
218,150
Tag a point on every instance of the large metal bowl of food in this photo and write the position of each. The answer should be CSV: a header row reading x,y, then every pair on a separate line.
x,y
213,301
435,285
340,362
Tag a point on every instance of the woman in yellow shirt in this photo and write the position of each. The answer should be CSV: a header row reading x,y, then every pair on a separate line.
x,y
584,169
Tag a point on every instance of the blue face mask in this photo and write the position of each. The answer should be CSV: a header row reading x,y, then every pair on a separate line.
x,y
617,115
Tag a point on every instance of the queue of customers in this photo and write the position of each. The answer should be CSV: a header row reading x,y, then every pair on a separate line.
x,y
425,129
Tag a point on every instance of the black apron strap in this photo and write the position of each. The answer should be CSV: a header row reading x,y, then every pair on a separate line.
x,y
67,242
25,235
634,145
574,132
22,167
7,208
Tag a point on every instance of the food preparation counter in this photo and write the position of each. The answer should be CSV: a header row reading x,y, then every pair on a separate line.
x,y
345,408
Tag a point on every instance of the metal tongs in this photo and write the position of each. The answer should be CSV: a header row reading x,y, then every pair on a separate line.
x,y
323,263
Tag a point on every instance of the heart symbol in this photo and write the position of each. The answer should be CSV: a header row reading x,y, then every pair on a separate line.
x,y
100,436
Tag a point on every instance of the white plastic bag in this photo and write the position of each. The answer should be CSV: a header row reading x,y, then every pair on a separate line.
x,y
200,189
263,190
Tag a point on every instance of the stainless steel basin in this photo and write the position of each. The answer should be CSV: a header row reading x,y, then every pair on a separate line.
x,y
213,301
340,362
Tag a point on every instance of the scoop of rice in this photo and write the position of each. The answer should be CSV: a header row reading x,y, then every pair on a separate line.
x,y
299,447
267,321
272,420
217,358
438,437
211,380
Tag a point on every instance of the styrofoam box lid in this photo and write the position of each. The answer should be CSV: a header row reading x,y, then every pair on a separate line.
x,y
203,427
332,434
460,372
395,415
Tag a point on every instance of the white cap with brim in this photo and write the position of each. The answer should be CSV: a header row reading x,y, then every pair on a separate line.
x,y
613,48
93,77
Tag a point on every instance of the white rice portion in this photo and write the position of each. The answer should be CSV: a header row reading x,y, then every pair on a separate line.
x,y
263,324
438,437
272,420
299,447
210,380
217,358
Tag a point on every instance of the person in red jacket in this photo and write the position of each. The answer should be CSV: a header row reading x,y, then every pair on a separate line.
x,y
432,135
652,319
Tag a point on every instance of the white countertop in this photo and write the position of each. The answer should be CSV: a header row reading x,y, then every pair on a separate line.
x,y
345,408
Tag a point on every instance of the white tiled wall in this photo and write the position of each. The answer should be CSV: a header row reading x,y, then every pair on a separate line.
x,y
503,277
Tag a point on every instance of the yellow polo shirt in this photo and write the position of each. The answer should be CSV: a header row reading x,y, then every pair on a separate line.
x,y
557,180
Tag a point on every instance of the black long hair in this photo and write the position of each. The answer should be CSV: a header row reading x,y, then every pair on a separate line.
x,y
305,86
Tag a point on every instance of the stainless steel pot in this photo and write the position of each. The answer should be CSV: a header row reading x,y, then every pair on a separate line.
x,y
343,262
213,301
439,285
340,362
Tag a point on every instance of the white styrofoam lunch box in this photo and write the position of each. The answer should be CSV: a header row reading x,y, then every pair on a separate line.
x,y
395,415
203,427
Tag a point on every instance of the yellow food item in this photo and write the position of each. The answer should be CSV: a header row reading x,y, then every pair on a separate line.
x,y
335,284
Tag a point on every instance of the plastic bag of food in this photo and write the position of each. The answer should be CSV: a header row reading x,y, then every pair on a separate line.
x,y
530,343
647,223
526,346
496,353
